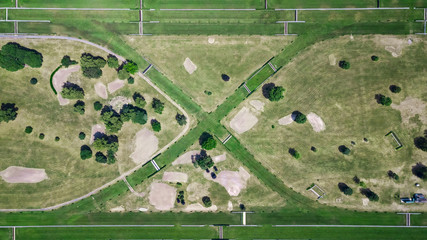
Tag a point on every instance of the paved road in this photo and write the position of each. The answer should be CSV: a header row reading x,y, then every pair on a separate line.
x,y
122,176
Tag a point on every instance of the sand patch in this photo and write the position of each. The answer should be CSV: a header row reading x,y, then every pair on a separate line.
x,y
162,196
257,104
365,201
219,158
211,40
195,191
96,130
316,122
230,206
197,207
332,60
410,107
15,174
115,85
117,209
146,144
286,120
186,158
234,182
189,66
118,102
394,45
142,209
101,90
59,79
175,177
243,121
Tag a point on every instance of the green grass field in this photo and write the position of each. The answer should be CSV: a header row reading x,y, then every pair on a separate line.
x,y
259,77
79,4
284,4
5,233
198,4
7,3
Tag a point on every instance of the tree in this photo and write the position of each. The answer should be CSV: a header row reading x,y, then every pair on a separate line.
x,y
395,89
383,100
207,201
420,143
181,119
345,188
28,129
112,61
79,107
420,170
97,106
344,150
92,72
136,114
85,152
225,77
344,64
131,80
369,194
111,157
392,175
242,207
72,91
374,58
14,57
294,153
91,65
157,105
123,74
111,119
82,135
8,112
57,139
203,160
41,136
105,142
207,141
66,61
139,100
100,157
130,67
156,125
33,81
298,117
276,93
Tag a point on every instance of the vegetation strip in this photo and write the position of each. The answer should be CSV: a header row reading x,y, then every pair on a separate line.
x,y
51,79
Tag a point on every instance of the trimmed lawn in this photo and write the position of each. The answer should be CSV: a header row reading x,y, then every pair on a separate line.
x,y
321,3
79,3
199,4
259,77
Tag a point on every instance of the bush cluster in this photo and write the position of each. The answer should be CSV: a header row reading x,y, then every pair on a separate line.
x,y
72,91
66,61
136,114
14,57
8,112
207,141
139,100
345,188
203,160
383,100
157,105
180,198
181,119
91,65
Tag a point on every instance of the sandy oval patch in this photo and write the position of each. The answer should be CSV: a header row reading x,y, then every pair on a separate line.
x,y
59,79
286,120
211,40
146,144
332,60
234,182
186,158
97,129
243,121
189,66
162,196
257,104
197,207
195,191
118,102
101,90
410,107
175,177
117,209
219,158
14,174
316,122
115,85
393,45
230,206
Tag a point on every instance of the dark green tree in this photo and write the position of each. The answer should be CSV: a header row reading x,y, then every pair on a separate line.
x,y
131,80
130,67
14,57
207,201
420,143
100,157
66,61
33,81
8,112
298,117
41,136
28,129
72,91
375,58
344,64
395,89
294,153
139,100
392,175
97,106
156,125
123,74
111,119
276,93
420,170
344,150
85,152
369,194
111,157
345,188
157,105
82,135
207,141
79,107
112,61
181,119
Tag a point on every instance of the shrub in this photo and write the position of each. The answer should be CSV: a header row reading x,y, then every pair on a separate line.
x,y
72,91
225,77
66,61
82,135
420,170
392,175
123,74
79,107
207,201
208,92
92,72
33,81
294,153
314,149
130,67
203,160
383,100
28,129
207,141
57,139
111,119
344,150
41,136
345,189
344,64
97,106
85,152
242,207
100,157
139,100
112,61
369,194
157,105
8,112
156,125
181,119
131,80
356,179
14,57
420,143
375,58
395,89
276,93
298,117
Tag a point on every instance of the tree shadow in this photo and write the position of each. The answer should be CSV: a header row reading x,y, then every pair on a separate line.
x,y
342,148
292,151
204,137
421,143
266,89
420,170
378,98
295,114
225,77
342,186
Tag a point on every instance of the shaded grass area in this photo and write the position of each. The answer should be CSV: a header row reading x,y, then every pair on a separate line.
x,y
321,3
259,77
79,3
199,4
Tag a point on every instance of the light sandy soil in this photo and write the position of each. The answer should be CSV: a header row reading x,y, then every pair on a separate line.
x,y
332,60
189,66
257,104
186,158
162,196
117,209
365,201
95,129
211,40
393,44
175,177
115,85
15,174
146,144
59,79
142,209
101,90
286,120
230,206
410,107
234,182
243,121
197,207
316,122
219,158
195,191
118,102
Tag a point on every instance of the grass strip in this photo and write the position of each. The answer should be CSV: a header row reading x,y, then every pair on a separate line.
x,y
259,77
51,79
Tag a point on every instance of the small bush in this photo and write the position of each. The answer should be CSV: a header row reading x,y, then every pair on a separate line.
x,y
314,149
375,58
130,67
345,189
344,150
207,201
242,207
157,105
225,77
33,81
383,100
131,80
41,136
28,129
112,61
181,119
123,74
294,153
298,117
82,135
356,179
207,141
79,107
139,100
57,139
66,61
369,194
85,152
156,125
100,157
208,92
392,175
97,106
344,64
362,184
395,89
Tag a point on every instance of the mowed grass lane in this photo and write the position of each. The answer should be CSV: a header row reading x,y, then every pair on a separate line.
x,y
7,3
5,233
321,3
78,3
199,4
